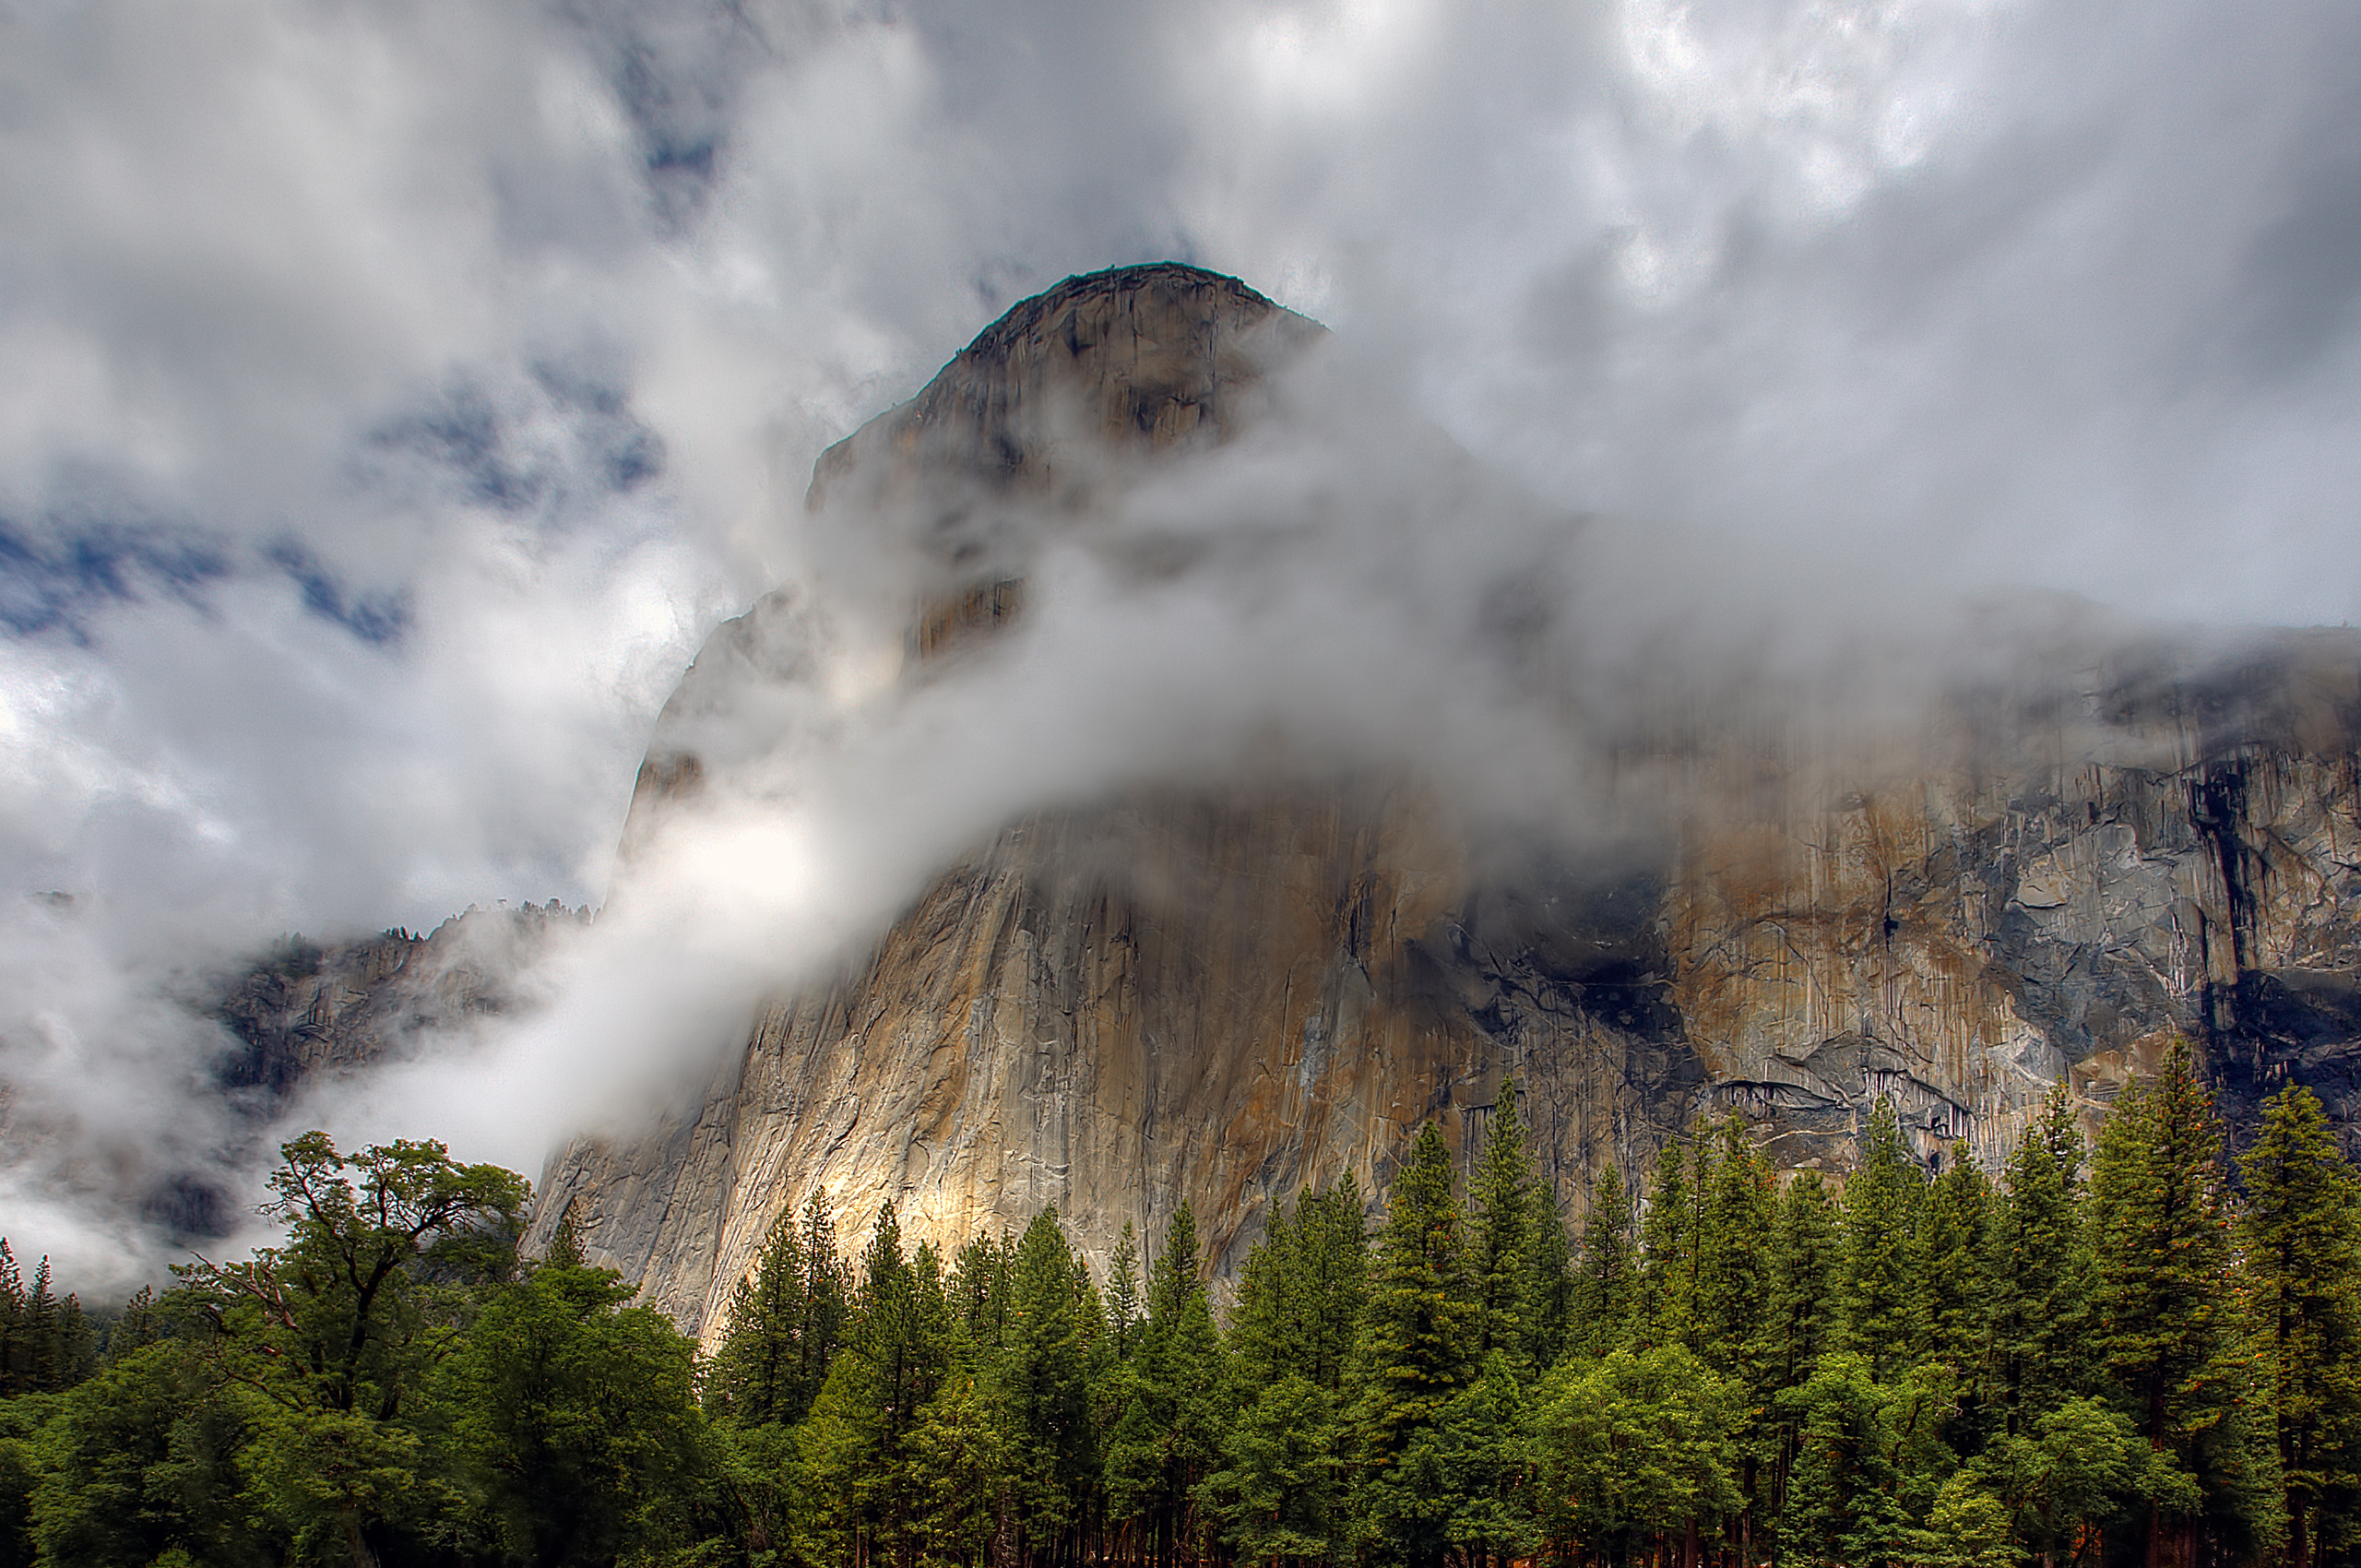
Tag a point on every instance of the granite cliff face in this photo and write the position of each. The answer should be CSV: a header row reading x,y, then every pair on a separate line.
x,y
309,1008
1221,995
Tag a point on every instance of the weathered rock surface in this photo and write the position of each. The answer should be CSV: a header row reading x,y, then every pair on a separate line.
x,y
309,1008
308,1013
1222,997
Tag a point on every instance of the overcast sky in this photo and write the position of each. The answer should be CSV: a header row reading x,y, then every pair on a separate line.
x,y
393,396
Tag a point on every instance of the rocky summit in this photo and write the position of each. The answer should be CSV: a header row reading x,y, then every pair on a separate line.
x,y
1224,994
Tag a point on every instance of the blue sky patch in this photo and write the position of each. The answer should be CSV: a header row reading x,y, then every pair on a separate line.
x,y
55,575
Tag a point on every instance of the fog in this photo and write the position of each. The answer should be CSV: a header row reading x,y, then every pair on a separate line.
x,y
397,397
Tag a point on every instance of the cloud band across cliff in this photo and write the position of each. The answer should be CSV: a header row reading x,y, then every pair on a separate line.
x,y
397,397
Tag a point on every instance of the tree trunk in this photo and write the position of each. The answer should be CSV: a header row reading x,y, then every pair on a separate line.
x,y
357,1540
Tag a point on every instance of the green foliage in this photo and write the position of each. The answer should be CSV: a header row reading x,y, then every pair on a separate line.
x,y
332,1334
144,1459
1556,1298
1040,1371
2170,1327
1665,1299
2161,1244
1802,1310
785,1323
2036,1352
1879,1287
1280,1491
756,1474
20,1423
2072,1469
1950,1250
855,1446
1422,1319
1967,1528
329,1476
1501,1237
1915,1374
1734,1264
1607,1271
959,1471
1632,1446
1280,1487
1419,1331
575,1419
1302,1293
2299,1232
1844,1501
46,1343
1487,1462
1126,1308
375,1281
1172,1400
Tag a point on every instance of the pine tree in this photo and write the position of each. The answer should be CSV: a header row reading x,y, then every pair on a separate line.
x,y
2166,1315
1802,1310
1124,1308
1606,1272
2300,1234
1332,1281
573,1417
16,1349
1666,1302
977,1290
1633,1447
1802,1318
1487,1463
1414,1357
855,1443
40,1332
754,1377
1733,1252
1265,1318
1555,1303
1880,1291
138,1325
1734,1280
786,1323
1843,1500
1043,1389
827,1299
1280,1490
1186,1373
959,1472
1949,1254
1423,1318
1502,1240
1279,1493
47,1345
565,1248
2037,1355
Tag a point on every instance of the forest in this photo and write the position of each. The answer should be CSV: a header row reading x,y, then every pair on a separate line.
x,y
2142,1350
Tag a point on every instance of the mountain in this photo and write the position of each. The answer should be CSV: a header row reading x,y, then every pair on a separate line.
x,y
1222,993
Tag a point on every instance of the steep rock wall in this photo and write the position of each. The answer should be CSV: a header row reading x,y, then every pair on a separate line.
x,y
1223,996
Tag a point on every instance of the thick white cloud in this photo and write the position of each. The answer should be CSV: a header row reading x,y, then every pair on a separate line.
x,y
397,394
